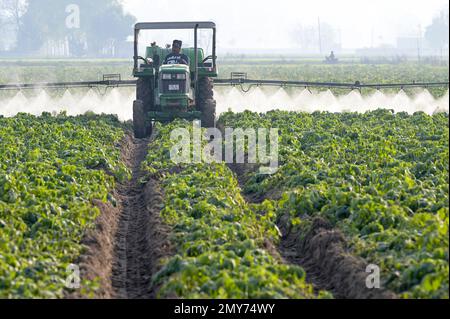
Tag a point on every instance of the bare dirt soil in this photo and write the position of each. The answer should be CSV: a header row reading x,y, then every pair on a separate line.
x,y
96,262
323,254
129,240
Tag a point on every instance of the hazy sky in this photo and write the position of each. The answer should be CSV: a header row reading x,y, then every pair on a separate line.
x,y
264,24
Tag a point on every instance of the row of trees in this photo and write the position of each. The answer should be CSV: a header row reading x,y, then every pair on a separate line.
x,y
11,12
75,27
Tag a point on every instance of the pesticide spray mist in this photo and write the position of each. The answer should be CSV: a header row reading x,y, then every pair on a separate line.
x,y
303,100
119,101
114,101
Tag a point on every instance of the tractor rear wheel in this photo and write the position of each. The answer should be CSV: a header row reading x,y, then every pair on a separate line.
x,y
140,125
145,94
205,102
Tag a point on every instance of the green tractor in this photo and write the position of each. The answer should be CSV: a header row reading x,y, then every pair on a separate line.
x,y
168,92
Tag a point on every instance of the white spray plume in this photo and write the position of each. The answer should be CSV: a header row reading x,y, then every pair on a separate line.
x,y
120,101
306,101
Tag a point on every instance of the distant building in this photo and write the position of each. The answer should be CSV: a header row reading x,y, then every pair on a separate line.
x,y
63,49
406,44
382,50
55,48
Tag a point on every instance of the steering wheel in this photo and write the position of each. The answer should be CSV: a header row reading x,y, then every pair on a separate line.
x,y
209,57
143,59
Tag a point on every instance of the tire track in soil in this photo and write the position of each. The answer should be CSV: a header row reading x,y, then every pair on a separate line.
x,y
129,239
134,252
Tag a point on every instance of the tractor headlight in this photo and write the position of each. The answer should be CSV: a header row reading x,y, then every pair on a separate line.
x,y
167,76
181,76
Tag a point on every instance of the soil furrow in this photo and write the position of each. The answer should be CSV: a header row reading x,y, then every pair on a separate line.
x,y
126,246
141,240
322,253
132,269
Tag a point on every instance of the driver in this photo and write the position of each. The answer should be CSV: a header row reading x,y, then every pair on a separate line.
x,y
176,57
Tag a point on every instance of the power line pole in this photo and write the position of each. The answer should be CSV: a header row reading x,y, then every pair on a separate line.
x,y
372,39
320,36
419,36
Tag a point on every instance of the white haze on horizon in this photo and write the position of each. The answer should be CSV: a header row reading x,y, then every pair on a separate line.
x,y
254,24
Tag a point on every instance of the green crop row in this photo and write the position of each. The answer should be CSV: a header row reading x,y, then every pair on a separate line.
x,y
51,168
220,240
381,178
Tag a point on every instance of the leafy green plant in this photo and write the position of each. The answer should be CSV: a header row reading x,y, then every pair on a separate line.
x,y
380,177
51,168
219,238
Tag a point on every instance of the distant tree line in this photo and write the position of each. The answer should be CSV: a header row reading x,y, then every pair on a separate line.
x,y
64,27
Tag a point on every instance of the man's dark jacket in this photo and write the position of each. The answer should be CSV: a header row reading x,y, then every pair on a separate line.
x,y
173,58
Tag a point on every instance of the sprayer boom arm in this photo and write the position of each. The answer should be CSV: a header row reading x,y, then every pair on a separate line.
x,y
227,82
352,86
66,85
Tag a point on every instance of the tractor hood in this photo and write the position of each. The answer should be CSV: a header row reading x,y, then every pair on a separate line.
x,y
174,68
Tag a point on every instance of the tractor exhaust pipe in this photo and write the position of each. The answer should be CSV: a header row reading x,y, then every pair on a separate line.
x,y
214,49
196,62
135,57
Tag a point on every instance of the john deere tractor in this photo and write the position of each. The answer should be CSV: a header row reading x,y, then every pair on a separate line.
x,y
168,92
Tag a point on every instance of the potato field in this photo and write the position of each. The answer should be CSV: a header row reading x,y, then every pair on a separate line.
x,y
352,191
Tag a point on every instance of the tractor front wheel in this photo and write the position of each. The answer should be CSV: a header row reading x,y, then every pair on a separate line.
x,y
142,128
209,113
206,102
145,93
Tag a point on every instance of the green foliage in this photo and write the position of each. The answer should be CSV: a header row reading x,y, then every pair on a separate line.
x,y
380,177
51,168
219,238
